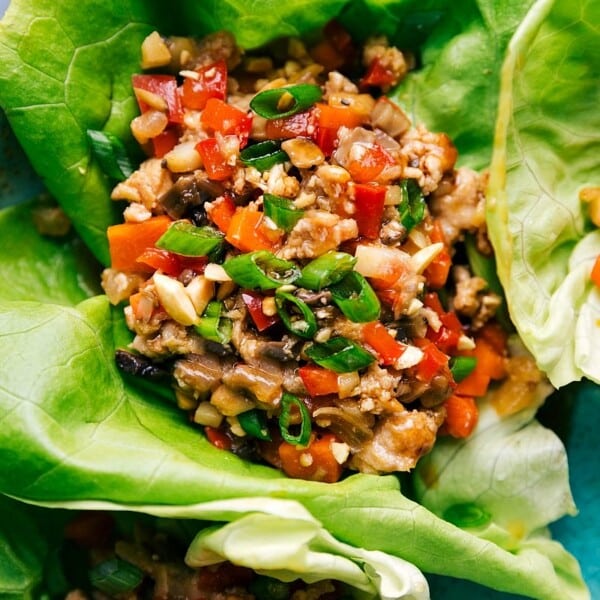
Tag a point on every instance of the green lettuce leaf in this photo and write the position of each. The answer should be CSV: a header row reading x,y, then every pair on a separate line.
x,y
73,430
547,147
43,269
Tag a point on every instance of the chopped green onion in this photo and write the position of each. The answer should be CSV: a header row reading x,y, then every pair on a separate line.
x,y
340,355
288,401
412,206
303,324
263,155
254,423
115,576
278,103
111,154
325,270
261,270
466,515
461,366
187,239
356,298
212,326
282,211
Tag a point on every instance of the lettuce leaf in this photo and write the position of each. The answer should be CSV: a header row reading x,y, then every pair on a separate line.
x,y
74,430
546,149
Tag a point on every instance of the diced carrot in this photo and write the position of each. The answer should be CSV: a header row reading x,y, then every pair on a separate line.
x,y
595,274
315,462
127,241
493,333
490,365
436,273
462,415
334,117
247,231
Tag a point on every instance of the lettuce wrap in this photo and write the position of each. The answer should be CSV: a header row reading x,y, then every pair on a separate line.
x,y
77,434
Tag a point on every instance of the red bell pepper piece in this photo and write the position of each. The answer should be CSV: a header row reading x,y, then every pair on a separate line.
x,y
165,142
211,83
247,231
164,86
301,124
217,438
373,161
171,263
377,75
213,160
433,361
387,347
436,273
319,381
226,119
369,200
254,304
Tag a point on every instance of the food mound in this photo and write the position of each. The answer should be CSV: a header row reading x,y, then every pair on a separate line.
x,y
303,265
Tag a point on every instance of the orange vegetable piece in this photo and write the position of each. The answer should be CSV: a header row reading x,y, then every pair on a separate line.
x,y
595,274
462,415
319,381
315,462
221,212
127,241
247,231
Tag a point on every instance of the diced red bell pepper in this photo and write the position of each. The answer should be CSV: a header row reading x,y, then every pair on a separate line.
x,y
436,273
217,438
164,86
213,160
254,304
369,200
377,75
446,338
329,120
165,142
211,83
388,349
226,119
433,361
373,160
301,124
319,381
171,263
221,211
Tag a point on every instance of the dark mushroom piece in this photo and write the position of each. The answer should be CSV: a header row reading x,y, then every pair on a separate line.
x,y
186,198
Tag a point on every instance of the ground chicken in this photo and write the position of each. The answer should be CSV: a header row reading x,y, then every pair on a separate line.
x,y
146,185
316,233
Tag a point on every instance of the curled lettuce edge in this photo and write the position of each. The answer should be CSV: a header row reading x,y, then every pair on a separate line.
x,y
556,314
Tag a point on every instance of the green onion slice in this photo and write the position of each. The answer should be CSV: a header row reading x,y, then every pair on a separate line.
x,y
282,211
278,103
115,576
340,355
356,298
461,366
261,270
325,270
110,152
296,315
263,155
412,206
288,401
212,326
254,423
184,238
